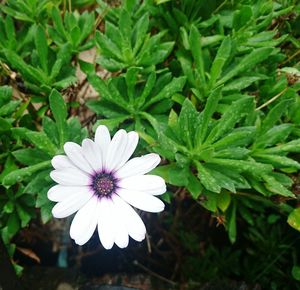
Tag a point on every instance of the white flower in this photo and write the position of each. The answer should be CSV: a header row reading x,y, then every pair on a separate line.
x,y
97,181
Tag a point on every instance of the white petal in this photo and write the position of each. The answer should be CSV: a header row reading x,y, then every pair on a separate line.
x,y
71,204
60,192
141,200
121,232
132,220
116,150
102,138
75,154
132,141
111,227
151,184
61,161
85,222
92,154
138,165
70,176
105,230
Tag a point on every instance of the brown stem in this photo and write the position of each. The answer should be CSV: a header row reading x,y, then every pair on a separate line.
x,y
8,277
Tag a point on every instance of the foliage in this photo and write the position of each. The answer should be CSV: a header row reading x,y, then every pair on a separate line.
x,y
212,86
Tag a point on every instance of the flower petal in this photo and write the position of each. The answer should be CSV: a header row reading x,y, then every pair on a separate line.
x,y
105,230
70,176
132,141
141,200
151,184
75,154
85,222
111,227
71,204
121,233
92,154
102,138
61,161
132,220
60,192
138,165
116,150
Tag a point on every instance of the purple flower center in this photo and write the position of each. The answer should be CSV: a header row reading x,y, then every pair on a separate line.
x,y
104,184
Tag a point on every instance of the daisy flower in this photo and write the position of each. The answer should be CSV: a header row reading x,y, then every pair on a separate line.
x,y
99,182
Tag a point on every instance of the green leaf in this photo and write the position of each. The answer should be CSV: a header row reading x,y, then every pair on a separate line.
x,y
31,73
4,125
223,200
188,121
247,62
273,136
101,87
207,178
219,61
57,21
25,216
111,123
242,83
5,95
276,187
59,111
196,49
139,32
277,161
9,108
274,115
30,156
296,273
234,113
239,137
41,141
178,176
42,47
206,115
19,174
292,146
231,222
194,186
294,219
252,167
147,89
176,85
131,80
